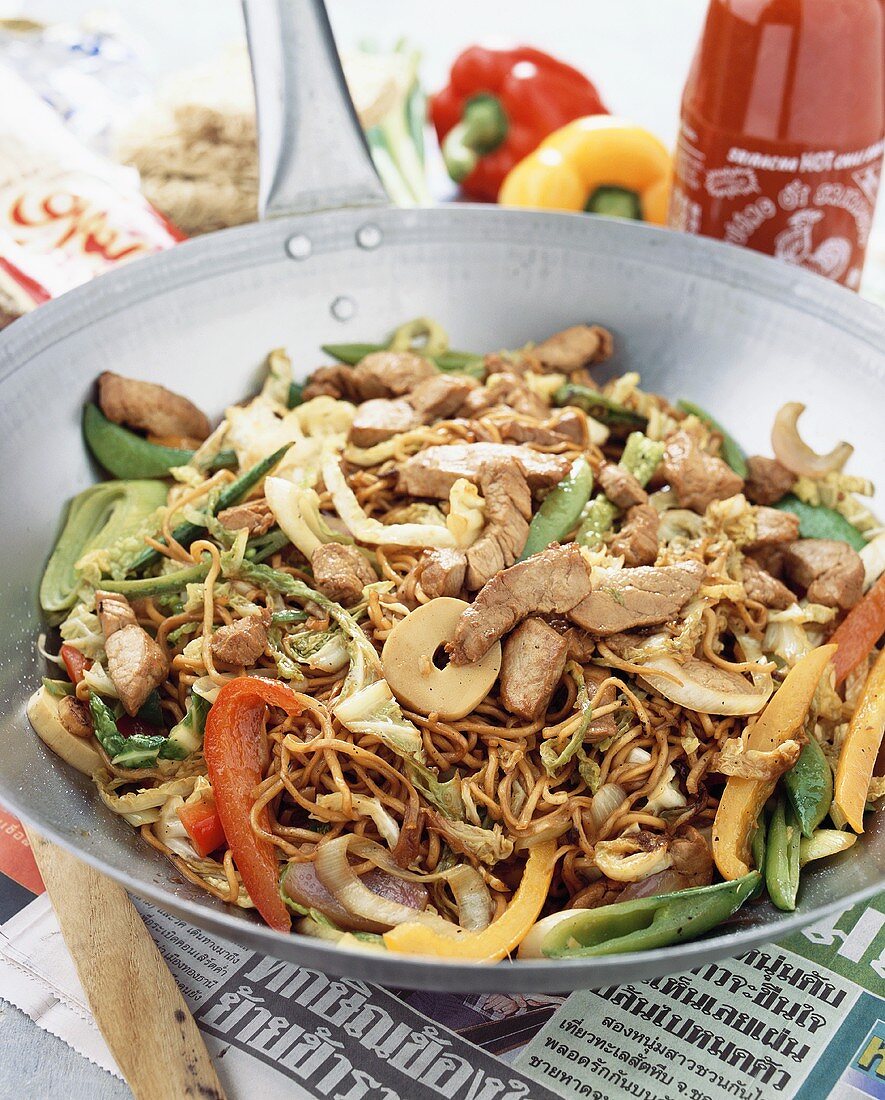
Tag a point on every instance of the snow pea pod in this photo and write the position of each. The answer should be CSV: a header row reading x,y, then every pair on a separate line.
x,y
648,923
817,521
449,361
731,450
186,532
757,847
598,406
560,509
782,856
809,786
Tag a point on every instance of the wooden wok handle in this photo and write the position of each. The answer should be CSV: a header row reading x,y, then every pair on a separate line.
x,y
137,1005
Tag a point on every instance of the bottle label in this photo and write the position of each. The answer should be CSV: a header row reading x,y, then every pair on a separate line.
x,y
809,207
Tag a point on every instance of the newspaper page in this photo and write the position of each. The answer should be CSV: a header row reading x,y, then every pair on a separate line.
x,y
804,1018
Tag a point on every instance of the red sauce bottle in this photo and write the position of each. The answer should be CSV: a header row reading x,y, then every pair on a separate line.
x,y
783,115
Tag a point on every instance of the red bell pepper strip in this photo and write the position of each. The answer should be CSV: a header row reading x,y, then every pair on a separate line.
x,y
203,826
75,662
859,631
233,745
499,106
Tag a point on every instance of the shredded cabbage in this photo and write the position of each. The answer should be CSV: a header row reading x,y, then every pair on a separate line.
x,y
82,630
364,806
141,807
837,490
297,511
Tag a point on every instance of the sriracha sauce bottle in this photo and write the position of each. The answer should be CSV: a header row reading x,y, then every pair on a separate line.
x,y
783,116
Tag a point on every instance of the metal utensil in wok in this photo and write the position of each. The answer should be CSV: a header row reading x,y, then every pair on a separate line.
x,y
332,262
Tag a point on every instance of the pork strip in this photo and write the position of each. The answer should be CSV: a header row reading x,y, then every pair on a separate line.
x,y
433,471
533,660
625,599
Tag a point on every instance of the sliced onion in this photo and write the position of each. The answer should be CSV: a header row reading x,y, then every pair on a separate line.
x,y
703,687
475,905
303,886
336,874
604,803
664,882
794,453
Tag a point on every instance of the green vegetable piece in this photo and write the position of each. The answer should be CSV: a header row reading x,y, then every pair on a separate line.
x,y
186,736
641,456
560,509
351,354
817,521
598,406
138,751
461,362
264,547
125,454
809,786
224,460
151,711
295,395
598,517
97,518
164,585
782,857
187,532
758,849
58,687
648,923
289,616
732,452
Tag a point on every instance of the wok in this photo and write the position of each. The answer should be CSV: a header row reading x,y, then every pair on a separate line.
x,y
734,331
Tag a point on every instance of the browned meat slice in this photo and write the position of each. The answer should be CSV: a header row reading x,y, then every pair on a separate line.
x,y
113,612
697,478
572,424
254,515
74,715
515,429
831,572
379,419
241,643
505,390
433,471
574,348
637,540
391,373
772,527
630,598
149,407
532,662
440,397
341,572
136,665
767,480
549,583
508,503
620,486
334,381
764,588
441,572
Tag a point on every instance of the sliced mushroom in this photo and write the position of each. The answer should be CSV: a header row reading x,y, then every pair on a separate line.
x,y
417,668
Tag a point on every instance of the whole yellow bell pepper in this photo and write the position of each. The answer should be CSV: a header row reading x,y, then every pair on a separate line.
x,y
600,164
501,936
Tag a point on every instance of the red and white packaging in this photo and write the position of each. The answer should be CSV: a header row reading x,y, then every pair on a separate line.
x,y
66,215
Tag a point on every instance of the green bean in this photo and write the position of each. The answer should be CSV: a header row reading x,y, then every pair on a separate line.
x,y
560,509
732,452
809,786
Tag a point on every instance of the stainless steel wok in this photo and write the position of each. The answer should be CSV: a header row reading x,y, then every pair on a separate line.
x,y
732,330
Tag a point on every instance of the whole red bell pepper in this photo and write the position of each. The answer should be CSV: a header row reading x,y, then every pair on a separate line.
x,y
235,752
499,106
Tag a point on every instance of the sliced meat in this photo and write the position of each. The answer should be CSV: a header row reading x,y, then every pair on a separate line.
x,y
335,381
773,527
549,583
379,419
341,572
692,856
505,390
391,373
136,665
532,663
149,407
637,540
441,572
433,471
241,643
572,424
831,572
625,599
113,612
440,397
764,588
574,348
515,429
255,516
621,487
697,478
767,480
508,504
74,715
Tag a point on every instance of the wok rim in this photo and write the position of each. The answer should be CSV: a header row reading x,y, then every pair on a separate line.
x,y
240,248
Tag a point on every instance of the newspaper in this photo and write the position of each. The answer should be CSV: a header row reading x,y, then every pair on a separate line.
x,y
804,1018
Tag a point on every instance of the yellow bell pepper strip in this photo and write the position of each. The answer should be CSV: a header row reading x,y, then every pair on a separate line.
x,y
742,799
859,751
501,936
599,164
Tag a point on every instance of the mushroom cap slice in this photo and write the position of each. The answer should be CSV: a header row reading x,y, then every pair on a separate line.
x,y
418,682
